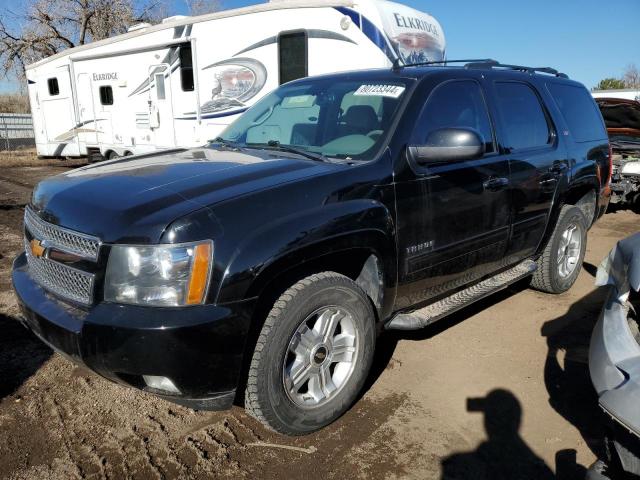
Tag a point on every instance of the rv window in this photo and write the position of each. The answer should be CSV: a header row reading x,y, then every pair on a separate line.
x,y
106,95
292,56
53,86
186,68
160,95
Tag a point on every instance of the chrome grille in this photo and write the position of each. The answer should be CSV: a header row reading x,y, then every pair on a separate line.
x,y
60,279
85,246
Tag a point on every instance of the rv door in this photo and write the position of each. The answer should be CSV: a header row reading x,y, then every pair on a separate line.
x,y
86,129
160,108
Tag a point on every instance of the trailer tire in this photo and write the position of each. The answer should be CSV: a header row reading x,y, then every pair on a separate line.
x,y
95,156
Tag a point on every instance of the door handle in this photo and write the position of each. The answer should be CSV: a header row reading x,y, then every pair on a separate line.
x,y
495,183
548,181
558,168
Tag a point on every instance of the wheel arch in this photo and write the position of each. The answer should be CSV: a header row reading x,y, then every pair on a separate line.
x,y
362,264
582,194
585,197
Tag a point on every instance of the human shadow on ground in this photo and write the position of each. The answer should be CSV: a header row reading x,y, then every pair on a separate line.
x,y
566,370
21,355
504,455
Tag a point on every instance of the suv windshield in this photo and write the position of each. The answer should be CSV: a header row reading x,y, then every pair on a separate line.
x,y
327,117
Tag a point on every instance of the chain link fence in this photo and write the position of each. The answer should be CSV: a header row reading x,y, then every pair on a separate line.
x,y
16,131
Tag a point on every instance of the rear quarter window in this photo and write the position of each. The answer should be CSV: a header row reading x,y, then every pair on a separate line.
x,y
579,110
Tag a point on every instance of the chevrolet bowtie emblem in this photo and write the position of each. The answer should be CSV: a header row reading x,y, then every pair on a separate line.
x,y
36,248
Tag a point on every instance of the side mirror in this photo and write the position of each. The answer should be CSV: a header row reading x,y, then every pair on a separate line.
x,y
449,145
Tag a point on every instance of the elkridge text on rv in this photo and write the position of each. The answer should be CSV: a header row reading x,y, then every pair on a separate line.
x,y
105,76
409,22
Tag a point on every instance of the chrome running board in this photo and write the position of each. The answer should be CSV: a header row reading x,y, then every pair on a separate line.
x,y
431,313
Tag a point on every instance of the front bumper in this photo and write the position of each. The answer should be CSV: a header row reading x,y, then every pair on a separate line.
x,y
200,348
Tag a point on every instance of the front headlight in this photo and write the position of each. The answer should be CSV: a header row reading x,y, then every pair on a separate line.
x,y
159,275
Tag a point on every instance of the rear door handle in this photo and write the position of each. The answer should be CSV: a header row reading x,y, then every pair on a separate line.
x,y
495,183
558,168
548,181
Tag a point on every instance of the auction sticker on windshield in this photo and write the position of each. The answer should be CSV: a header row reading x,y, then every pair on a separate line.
x,y
393,91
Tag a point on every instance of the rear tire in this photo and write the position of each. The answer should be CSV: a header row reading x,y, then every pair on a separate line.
x,y
561,261
313,355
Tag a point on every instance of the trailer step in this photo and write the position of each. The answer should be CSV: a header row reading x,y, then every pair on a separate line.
x,y
431,313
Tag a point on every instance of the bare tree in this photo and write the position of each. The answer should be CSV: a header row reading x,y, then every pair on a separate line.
x,y
631,76
46,27
200,7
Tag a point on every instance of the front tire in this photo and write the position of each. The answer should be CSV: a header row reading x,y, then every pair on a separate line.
x,y
561,261
313,355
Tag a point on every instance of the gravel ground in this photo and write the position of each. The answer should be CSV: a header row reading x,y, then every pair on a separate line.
x,y
498,390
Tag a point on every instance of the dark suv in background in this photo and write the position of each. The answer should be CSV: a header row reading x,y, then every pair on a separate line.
x,y
266,263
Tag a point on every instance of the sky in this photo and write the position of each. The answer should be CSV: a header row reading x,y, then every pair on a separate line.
x,y
587,39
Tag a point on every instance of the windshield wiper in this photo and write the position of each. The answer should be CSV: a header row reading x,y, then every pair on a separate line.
x,y
226,143
276,145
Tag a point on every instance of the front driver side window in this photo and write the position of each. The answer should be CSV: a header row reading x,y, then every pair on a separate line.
x,y
457,104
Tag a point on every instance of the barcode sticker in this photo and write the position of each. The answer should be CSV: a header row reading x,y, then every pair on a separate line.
x,y
392,91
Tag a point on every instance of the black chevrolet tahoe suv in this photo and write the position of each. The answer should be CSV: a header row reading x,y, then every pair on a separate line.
x,y
262,267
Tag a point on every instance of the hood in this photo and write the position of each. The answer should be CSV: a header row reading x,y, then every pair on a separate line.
x,y
620,114
135,198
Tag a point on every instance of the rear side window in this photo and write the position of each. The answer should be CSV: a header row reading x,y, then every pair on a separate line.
x,y
523,119
579,111
106,95
456,104
186,69
54,89
292,56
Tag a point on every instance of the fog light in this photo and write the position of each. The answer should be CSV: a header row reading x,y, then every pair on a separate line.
x,y
160,383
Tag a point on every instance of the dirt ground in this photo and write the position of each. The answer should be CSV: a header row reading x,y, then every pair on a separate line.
x,y
499,390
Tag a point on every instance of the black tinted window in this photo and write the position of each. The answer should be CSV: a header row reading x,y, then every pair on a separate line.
x,y
106,95
523,119
454,105
292,56
186,68
579,111
52,83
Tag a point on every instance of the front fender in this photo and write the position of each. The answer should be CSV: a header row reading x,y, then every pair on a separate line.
x,y
309,235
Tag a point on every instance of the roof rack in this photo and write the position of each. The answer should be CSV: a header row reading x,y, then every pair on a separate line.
x,y
489,64
483,63
397,65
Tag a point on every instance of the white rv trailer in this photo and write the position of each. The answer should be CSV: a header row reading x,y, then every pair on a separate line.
x,y
627,94
181,82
